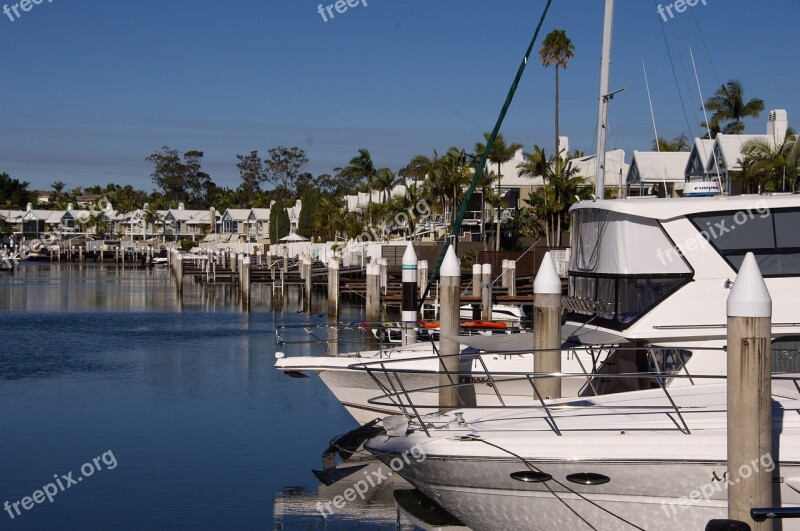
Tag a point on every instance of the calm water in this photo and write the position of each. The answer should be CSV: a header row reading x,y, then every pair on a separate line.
x,y
177,397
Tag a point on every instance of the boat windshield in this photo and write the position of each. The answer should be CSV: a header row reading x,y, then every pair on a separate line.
x,y
621,266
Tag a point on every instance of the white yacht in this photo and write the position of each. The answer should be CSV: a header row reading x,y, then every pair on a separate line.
x,y
638,460
630,460
644,273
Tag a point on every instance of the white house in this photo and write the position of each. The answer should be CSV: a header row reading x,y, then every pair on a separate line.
x,y
189,223
649,168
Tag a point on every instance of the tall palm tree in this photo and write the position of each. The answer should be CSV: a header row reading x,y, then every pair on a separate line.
x,y
557,50
728,107
499,154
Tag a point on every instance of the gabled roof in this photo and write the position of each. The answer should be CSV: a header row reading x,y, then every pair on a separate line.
x,y
48,216
184,216
657,167
238,214
699,158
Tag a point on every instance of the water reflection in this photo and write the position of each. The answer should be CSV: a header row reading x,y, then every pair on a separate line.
x,y
99,357
392,504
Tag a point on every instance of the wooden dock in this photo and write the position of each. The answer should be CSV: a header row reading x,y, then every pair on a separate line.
x,y
352,281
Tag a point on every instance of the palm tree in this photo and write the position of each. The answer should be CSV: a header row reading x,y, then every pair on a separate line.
x,y
557,50
100,222
767,167
448,175
568,187
152,218
552,203
499,154
362,168
729,107
57,196
386,180
330,220
537,165
679,143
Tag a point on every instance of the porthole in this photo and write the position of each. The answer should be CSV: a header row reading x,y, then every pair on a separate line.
x,y
530,476
588,478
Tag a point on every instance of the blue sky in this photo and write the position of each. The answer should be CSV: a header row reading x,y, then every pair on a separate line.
x,y
90,88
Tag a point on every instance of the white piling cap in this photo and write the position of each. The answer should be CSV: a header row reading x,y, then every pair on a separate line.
x,y
547,281
476,269
450,266
410,257
486,269
749,296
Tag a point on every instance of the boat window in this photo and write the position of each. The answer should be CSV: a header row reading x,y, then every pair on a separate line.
x,y
638,362
617,302
636,296
772,236
612,243
786,225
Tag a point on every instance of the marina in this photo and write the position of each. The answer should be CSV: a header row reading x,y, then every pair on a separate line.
x,y
367,283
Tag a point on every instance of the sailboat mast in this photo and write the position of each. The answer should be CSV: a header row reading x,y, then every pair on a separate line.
x,y
602,115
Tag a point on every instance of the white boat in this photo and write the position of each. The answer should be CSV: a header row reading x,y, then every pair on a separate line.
x,y
638,460
649,272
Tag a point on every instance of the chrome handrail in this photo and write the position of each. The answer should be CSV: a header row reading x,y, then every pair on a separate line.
x,y
405,399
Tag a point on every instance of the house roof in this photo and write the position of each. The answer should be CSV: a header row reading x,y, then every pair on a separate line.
x,y
238,214
699,157
728,151
196,216
656,167
262,214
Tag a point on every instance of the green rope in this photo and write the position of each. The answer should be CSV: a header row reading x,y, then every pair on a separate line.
x,y
482,164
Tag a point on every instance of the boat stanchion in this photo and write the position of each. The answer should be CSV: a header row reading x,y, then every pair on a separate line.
x,y
486,292
749,309
450,281
409,304
547,327
333,288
